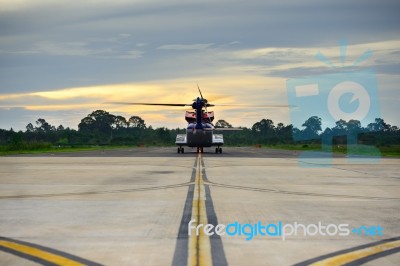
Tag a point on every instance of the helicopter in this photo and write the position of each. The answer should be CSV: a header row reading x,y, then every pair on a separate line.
x,y
200,129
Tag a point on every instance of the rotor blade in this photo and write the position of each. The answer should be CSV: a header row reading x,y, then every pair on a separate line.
x,y
256,105
200,91
158,104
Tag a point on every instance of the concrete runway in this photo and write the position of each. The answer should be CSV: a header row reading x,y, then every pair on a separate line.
x,y
133,206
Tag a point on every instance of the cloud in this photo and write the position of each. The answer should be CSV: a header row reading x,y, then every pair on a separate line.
x,y
133,54
82,49
246,76
67,48
125,35
296,61
218,89
197,46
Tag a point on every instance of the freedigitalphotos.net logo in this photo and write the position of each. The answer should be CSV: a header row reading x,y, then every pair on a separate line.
x,y
282,230
345,95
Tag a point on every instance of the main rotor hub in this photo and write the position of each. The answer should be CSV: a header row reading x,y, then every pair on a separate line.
x,y
199,103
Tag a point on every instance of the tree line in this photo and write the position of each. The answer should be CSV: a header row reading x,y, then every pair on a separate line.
x,y
102,128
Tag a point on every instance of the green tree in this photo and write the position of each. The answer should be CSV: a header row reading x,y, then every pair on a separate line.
x,y
312,127
99,120
136,122
43,126
120,122
378,125
222,124
284,133
264,131
87,124
30,128
354,126
264,126
163,134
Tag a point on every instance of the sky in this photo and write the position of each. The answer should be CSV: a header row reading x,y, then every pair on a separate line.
x,y
61,60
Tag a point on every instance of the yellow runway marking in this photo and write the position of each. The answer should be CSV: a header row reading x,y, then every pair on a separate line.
x,y
358,254
35,252
199,252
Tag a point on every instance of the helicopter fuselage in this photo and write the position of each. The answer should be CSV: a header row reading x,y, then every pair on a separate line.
x,y
202,137
199,132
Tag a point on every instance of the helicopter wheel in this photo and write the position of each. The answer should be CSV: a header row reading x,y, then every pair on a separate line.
x,y
216,150
179,150
182,150
220,150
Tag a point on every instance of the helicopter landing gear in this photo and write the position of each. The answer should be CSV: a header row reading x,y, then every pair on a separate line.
x,y
218,150
181,150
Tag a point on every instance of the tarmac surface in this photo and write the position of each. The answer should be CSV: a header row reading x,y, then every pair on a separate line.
x,y
133,207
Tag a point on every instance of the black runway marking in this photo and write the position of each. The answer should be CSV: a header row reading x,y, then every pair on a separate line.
x,y
182,242
217,247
